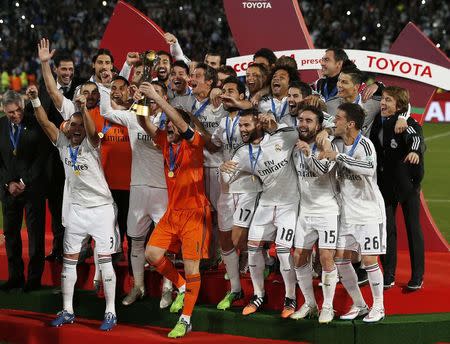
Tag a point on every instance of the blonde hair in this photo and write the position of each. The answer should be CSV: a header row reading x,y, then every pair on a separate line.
x,y
400,95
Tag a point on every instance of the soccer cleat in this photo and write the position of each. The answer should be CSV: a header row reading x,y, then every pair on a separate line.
x,y
166,298
415,284
180,329
228,300
326,315
388,285
136,293
177,304
375,315
305,311
289,307
62,318
109,322
355,311
254,304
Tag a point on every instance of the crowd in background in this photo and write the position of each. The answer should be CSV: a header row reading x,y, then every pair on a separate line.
x,y
369,25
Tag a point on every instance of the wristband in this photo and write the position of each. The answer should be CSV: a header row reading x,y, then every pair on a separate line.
x,y
35,102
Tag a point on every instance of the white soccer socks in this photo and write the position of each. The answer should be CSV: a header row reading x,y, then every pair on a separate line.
x,y
109,282
256,266
305,282
287,270
231,259
349,280
68,280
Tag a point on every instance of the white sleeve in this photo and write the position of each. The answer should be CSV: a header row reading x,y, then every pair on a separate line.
x,y
228,178
61,140
67,109
216,137
365,165
126,70
320,167
118,117
177,53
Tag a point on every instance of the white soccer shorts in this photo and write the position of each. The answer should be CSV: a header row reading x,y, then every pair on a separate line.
x,y
369,239
97,222
147,204
236,209
274,223
311,228
212,185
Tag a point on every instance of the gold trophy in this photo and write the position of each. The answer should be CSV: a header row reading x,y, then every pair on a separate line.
x,y
149,59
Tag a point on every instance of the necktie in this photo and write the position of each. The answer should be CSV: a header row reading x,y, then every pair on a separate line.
x,y
15,131
64,90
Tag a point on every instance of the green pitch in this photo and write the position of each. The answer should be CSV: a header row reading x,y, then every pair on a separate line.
x,y
436,185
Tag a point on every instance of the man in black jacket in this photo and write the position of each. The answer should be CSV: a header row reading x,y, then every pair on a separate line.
x,y
24,150
400,172
66,83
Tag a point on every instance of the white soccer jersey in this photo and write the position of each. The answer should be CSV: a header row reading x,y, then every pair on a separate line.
x,y
279,108
147,164
86,181
289,120
361,198
272,162
317,182
209,116
228,136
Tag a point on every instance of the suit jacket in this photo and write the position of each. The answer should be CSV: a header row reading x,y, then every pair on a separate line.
x,y
29,163
397,180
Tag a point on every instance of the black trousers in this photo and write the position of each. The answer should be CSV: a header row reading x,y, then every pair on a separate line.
x,y
55,200
411,210
13,209
122,200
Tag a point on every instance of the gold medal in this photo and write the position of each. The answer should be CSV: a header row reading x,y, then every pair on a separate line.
x,y
15,152
77,172
101,135
170,174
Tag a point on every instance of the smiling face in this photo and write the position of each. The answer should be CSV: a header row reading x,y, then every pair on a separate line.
x,y
102,63
231,90
76,132
179,79
388,105
254,79
308,126
295,97
163,68
198,83
119,92
250,128
64,72
346,88
341,123
280,83
173,134
90,91
212,60
330,67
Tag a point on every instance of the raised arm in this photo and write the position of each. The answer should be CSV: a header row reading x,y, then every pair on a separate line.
x,y
41,116
148,90
89,125
45,56
144,121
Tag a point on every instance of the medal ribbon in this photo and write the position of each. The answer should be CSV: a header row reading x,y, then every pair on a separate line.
x,y
201,109
173,157
352,150
230,135
283,110
253,160
73,156
106,126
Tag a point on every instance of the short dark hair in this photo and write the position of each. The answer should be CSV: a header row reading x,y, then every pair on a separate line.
x,y
250,112
89,83
62,56
163,52
228,70
315,111
215,53
120,77
350,68
293,76
304,88
354,113
103,51
286,61
234,80
339,54
181,64
160,84
210,73
267,54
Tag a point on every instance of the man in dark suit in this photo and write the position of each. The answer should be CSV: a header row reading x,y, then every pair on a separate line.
x,y
66,84
400,170
24,150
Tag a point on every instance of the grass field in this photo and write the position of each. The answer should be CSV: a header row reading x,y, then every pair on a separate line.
x,y
436,185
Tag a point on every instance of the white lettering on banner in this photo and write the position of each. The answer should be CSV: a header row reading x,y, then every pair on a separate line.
x,y
367,61
256,5
435,113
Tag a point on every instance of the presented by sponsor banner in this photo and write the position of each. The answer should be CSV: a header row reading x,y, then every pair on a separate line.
x,y
368,61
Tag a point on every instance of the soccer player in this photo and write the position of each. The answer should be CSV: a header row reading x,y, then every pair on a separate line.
x,y
89,207
318,218
188,217
179,79
237,201
297,92
362,221
148,190
267,154
255,79
400,171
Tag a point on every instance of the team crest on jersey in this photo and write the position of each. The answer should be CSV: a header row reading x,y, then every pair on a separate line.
x,y
277,147
394,144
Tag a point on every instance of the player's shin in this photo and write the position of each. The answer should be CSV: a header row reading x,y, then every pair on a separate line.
x,y
256,266
68,280
109,282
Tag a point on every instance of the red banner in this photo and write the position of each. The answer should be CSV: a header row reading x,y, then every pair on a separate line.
x,y
130,30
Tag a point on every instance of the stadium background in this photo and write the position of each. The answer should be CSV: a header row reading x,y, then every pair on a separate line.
x,y
200,27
